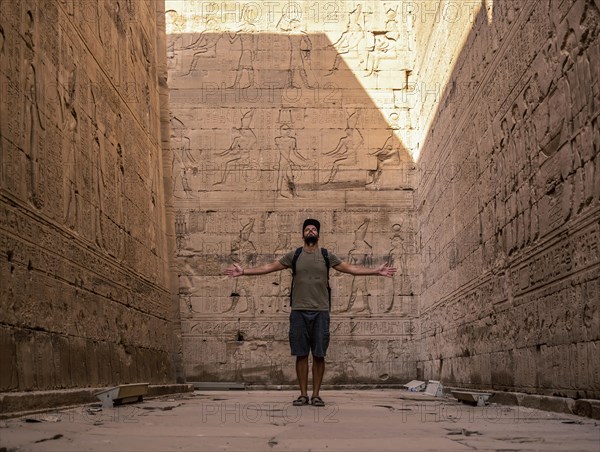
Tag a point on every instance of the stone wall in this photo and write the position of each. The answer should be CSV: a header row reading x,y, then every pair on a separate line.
x,y
509,206
283,111
85,285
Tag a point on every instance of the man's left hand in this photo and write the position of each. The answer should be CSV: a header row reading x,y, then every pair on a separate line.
x,y
385,270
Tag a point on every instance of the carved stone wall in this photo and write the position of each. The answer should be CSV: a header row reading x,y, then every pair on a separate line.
x,y
283,111
509,208
457,141
84,273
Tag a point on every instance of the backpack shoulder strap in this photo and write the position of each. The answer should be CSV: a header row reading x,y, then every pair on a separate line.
x,y
325,254
295,259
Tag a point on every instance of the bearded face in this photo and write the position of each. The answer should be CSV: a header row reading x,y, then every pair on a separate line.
x,y
310,235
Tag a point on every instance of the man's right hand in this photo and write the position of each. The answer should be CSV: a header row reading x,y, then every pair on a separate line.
x,y
234,271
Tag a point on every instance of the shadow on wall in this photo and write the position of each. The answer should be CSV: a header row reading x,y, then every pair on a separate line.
x,y
284,114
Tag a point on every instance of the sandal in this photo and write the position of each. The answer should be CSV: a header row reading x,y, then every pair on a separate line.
x,y
302,400
317,401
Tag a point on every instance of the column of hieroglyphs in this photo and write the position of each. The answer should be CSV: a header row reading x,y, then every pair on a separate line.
x,y
283,111
509,197
84,282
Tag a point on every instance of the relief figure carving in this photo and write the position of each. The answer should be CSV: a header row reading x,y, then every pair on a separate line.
x,y
243,143
350,40
205,45
244,75
502,162
175,26
389,153
133,52
344,153
98,170
243,252
186,285
71,163
360,254
34,122
98,187
383,43
300,62
120,192
397,258
183,160
283,279
382,47
154,206
290,162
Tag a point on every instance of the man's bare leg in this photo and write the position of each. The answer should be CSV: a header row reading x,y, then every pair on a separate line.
x,y
302,374
318,370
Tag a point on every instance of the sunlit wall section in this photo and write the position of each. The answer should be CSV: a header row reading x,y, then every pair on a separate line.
x,y
509,198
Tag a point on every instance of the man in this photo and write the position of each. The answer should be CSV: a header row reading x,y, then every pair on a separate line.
x,y
309,319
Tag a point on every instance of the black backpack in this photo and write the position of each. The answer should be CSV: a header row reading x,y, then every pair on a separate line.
x,y
295,259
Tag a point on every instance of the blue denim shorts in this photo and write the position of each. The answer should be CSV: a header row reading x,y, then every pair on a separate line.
x,y
309,332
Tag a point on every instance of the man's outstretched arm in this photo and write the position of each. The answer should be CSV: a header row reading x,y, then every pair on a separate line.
x,y
382,270
237,270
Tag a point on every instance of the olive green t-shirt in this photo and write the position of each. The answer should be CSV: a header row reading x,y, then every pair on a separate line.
x,y
310,283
